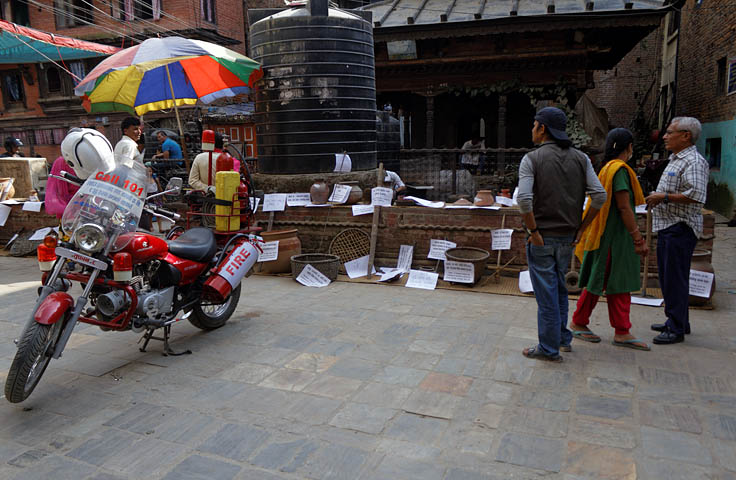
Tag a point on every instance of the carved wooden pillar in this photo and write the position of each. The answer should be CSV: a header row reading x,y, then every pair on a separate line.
x,y
501,158
430,122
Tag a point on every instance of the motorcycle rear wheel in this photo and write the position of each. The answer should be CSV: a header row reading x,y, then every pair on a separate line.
x,y
31,360
210,317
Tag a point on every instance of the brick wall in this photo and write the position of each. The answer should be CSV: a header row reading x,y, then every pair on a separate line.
x,y
622,89
707,34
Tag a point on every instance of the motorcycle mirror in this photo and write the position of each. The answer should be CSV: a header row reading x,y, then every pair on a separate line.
x,y
175,183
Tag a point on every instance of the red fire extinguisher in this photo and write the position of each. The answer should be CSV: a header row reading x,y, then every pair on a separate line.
x,y
228,274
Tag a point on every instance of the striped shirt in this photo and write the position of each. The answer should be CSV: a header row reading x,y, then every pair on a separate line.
x,y
687,173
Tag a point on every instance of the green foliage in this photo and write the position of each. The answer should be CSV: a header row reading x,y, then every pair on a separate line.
x,y
560,93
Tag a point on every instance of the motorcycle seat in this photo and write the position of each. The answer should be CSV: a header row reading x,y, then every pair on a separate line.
x,y
196,244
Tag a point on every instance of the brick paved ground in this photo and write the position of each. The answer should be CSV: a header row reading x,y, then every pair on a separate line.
x,y
366,382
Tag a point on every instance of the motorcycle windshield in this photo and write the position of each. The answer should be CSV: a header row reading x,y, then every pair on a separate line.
x,y
104,213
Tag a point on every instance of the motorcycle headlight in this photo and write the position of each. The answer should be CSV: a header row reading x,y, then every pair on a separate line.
x,y
89,237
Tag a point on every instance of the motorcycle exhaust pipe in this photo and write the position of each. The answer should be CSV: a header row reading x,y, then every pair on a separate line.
x,y
230,272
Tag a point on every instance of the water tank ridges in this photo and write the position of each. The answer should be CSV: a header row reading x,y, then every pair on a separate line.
x,y
317,96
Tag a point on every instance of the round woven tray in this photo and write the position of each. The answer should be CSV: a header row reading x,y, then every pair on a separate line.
x,y
350,244
326,264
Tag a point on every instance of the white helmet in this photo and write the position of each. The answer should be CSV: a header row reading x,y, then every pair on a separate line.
x,y
87,151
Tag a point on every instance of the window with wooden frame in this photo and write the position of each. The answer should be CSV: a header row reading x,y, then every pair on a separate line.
x,y
14,97
129,10
208,10
73,13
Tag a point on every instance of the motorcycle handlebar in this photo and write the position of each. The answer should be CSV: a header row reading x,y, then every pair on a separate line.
x,y
162,211
72,178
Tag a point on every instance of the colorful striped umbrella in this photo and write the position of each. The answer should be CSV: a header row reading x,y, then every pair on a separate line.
x,y
166,72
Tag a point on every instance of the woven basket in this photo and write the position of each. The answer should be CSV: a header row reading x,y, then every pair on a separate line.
x,y
477,256
327,264
350,244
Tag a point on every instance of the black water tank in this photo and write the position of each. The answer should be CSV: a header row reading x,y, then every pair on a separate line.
x,y
318,93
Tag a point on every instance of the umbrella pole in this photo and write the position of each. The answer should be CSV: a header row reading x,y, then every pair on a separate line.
x,y
178,121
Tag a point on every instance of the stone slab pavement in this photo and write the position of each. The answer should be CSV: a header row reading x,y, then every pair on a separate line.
x,y
366,382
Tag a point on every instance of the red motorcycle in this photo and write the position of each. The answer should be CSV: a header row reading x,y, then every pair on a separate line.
x,y
131,280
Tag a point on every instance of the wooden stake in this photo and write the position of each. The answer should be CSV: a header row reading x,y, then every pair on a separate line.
x,y
497,275
645,279
374,226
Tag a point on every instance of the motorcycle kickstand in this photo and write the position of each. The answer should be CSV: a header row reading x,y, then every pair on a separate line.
x,y
167,351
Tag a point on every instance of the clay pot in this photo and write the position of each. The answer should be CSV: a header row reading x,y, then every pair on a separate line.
x,y
505,192
484,198
319,192
356,193
701,261
289,245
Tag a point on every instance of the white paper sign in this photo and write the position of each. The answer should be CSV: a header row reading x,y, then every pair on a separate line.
x,y
505,201
390,273
12,239
317,205
650,302
462,272
515,196
362,209
32,206
297,199
270,251
700,283
437,248
343,163
311,277
382,196
254,203
501,239
525,282
641,209
4,214
358,267
340,193
406,255
420,279
11,201
274,202
40,233
425,203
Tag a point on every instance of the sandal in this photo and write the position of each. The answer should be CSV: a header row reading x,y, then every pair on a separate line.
x,y
586,335
533,352
632,344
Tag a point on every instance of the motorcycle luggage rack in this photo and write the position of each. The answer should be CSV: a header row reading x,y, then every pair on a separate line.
x,y
167,351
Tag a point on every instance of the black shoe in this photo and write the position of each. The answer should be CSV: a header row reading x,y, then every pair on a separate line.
x,y
661,327
667,337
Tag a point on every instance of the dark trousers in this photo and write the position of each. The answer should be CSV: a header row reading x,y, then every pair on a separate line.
x,y
675,247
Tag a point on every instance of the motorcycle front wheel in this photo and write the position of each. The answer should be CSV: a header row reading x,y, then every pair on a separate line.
x,y
31,359
212,316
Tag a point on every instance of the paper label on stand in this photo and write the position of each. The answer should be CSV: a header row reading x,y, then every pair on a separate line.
x,y
390,273
358,267
270,251
274,202
505,201
700,283
525,282
650,302
343,163
382,196
437,249
362,209
424,280
462,272
311,277
501,239
340,193
297,199
425,203
406,255
4,214
32,206
642,209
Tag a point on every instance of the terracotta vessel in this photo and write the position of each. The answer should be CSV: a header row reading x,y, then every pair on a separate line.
x,y
289,245
505,192
319,192
356,193
484,198
701,261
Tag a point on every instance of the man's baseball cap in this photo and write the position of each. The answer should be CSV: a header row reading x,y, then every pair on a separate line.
x,y
555,120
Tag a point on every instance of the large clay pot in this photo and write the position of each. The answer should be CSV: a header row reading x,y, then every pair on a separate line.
x,y
319,192
356,193
289,245
484,198
701,262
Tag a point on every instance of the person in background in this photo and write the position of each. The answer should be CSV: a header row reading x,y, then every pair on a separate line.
x,y
12,148
127,147
59,192
394,182
198,175
471,160
170,150
610,248
678,220
553,182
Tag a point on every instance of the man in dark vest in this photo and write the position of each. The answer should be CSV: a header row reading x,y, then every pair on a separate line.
x,y
553,182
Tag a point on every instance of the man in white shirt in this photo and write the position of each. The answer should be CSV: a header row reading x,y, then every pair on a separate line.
x,y
199,178
472,160
127,147
393,181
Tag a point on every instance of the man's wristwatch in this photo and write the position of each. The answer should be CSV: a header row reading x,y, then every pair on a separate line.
x,y
666,198
529,232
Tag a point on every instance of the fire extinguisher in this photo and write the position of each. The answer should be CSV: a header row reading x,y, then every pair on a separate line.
x,y
230,271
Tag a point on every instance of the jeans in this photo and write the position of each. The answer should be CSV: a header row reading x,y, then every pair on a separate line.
x,y
548,265
675,247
